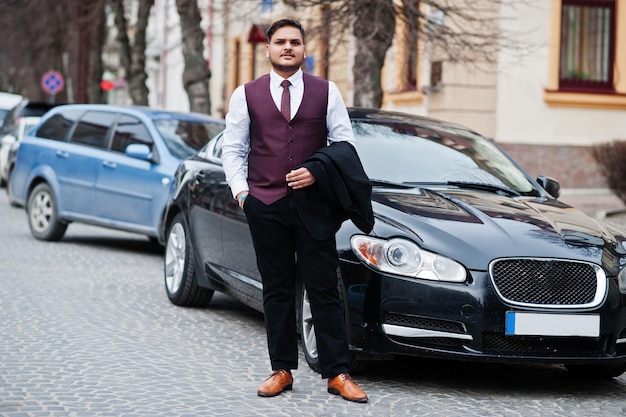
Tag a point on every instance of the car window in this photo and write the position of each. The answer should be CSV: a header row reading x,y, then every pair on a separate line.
x,y
93,129
184,138
15,130
3,115
437,154
217,149
212,151
11,117
129,130
58,126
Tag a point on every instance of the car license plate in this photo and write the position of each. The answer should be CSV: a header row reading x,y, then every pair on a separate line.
x,y
539,324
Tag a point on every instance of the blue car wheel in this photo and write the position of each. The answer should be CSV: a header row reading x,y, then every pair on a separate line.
x,y
43,215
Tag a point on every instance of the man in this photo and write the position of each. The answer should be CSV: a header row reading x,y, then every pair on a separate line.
x,y
263,152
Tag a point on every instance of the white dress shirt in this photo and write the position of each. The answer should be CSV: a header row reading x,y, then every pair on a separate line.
x,y
236,138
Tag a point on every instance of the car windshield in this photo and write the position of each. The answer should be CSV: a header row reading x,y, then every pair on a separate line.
x,y
405,153
183,138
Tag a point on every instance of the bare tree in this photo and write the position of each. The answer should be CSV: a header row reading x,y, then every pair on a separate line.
x,y
37,39
196,74
462,31
132,54
373,29
96,33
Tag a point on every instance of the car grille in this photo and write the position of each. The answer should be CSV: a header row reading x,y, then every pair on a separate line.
x,y
496,343
547,282
424,323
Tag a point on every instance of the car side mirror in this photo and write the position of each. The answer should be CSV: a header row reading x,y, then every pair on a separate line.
x,y
139,151
551,185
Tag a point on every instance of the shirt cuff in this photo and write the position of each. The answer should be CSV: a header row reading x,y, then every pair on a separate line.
x,y
238,187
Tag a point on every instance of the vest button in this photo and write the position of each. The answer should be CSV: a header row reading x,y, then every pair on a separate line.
x,y
290,158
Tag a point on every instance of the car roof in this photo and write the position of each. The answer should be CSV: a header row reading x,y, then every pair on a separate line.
x,y
8,100
152,113
397,117
35,108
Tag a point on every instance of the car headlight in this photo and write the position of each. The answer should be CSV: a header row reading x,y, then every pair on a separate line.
x,y
403,257
621,280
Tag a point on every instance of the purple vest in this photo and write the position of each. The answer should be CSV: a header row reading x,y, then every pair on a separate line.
x,y
278,146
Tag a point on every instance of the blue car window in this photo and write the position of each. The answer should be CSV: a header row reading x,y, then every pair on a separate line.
x,y
58,126
93,128
130,130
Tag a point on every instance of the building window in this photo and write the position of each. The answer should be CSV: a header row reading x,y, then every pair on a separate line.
x,y
436,74
403,66
587,45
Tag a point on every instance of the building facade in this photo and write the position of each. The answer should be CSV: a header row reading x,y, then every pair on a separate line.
x,y
546,100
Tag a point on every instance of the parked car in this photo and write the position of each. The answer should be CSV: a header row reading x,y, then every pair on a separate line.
x,y
104,165
470,257
22,116
7,102
24,125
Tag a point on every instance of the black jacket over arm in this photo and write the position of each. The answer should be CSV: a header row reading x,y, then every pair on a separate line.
x,y
342,191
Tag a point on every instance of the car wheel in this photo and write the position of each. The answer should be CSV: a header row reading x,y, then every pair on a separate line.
x,y
597,371
179,268
307,334
43,214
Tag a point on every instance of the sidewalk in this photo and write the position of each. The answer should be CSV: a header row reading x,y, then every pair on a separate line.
x,y
596,202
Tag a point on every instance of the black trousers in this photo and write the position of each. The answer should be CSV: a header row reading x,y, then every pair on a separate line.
x,y
285,249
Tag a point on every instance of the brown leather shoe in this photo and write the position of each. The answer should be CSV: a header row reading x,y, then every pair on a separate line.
x,y
279,381
343,385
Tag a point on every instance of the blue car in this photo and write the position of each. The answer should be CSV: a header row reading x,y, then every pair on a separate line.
x,y
104,165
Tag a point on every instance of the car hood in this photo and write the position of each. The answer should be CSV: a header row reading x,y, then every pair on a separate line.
x,y
476,227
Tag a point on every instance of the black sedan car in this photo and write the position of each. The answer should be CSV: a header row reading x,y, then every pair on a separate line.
x,y
470,257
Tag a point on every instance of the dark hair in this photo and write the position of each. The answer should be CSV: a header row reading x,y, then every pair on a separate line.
x,y
282,23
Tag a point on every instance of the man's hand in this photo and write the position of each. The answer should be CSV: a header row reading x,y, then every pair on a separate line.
x,y
241,197
299,178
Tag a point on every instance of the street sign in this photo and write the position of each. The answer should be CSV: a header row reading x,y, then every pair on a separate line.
x,y
52,82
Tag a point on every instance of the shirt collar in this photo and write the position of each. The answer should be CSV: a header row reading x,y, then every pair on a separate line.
x,y
295,79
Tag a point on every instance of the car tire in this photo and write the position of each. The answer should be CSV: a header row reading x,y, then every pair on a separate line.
x,y
179,268
43,214
597,371
307,333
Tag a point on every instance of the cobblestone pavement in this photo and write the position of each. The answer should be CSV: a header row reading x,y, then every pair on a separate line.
x,y
86,330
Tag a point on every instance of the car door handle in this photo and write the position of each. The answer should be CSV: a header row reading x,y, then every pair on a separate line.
x,y
109,164
62,154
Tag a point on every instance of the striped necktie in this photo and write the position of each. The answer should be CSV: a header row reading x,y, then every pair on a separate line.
x,y
285,102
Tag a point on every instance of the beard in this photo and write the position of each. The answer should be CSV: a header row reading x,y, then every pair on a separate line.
x,y
286,68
